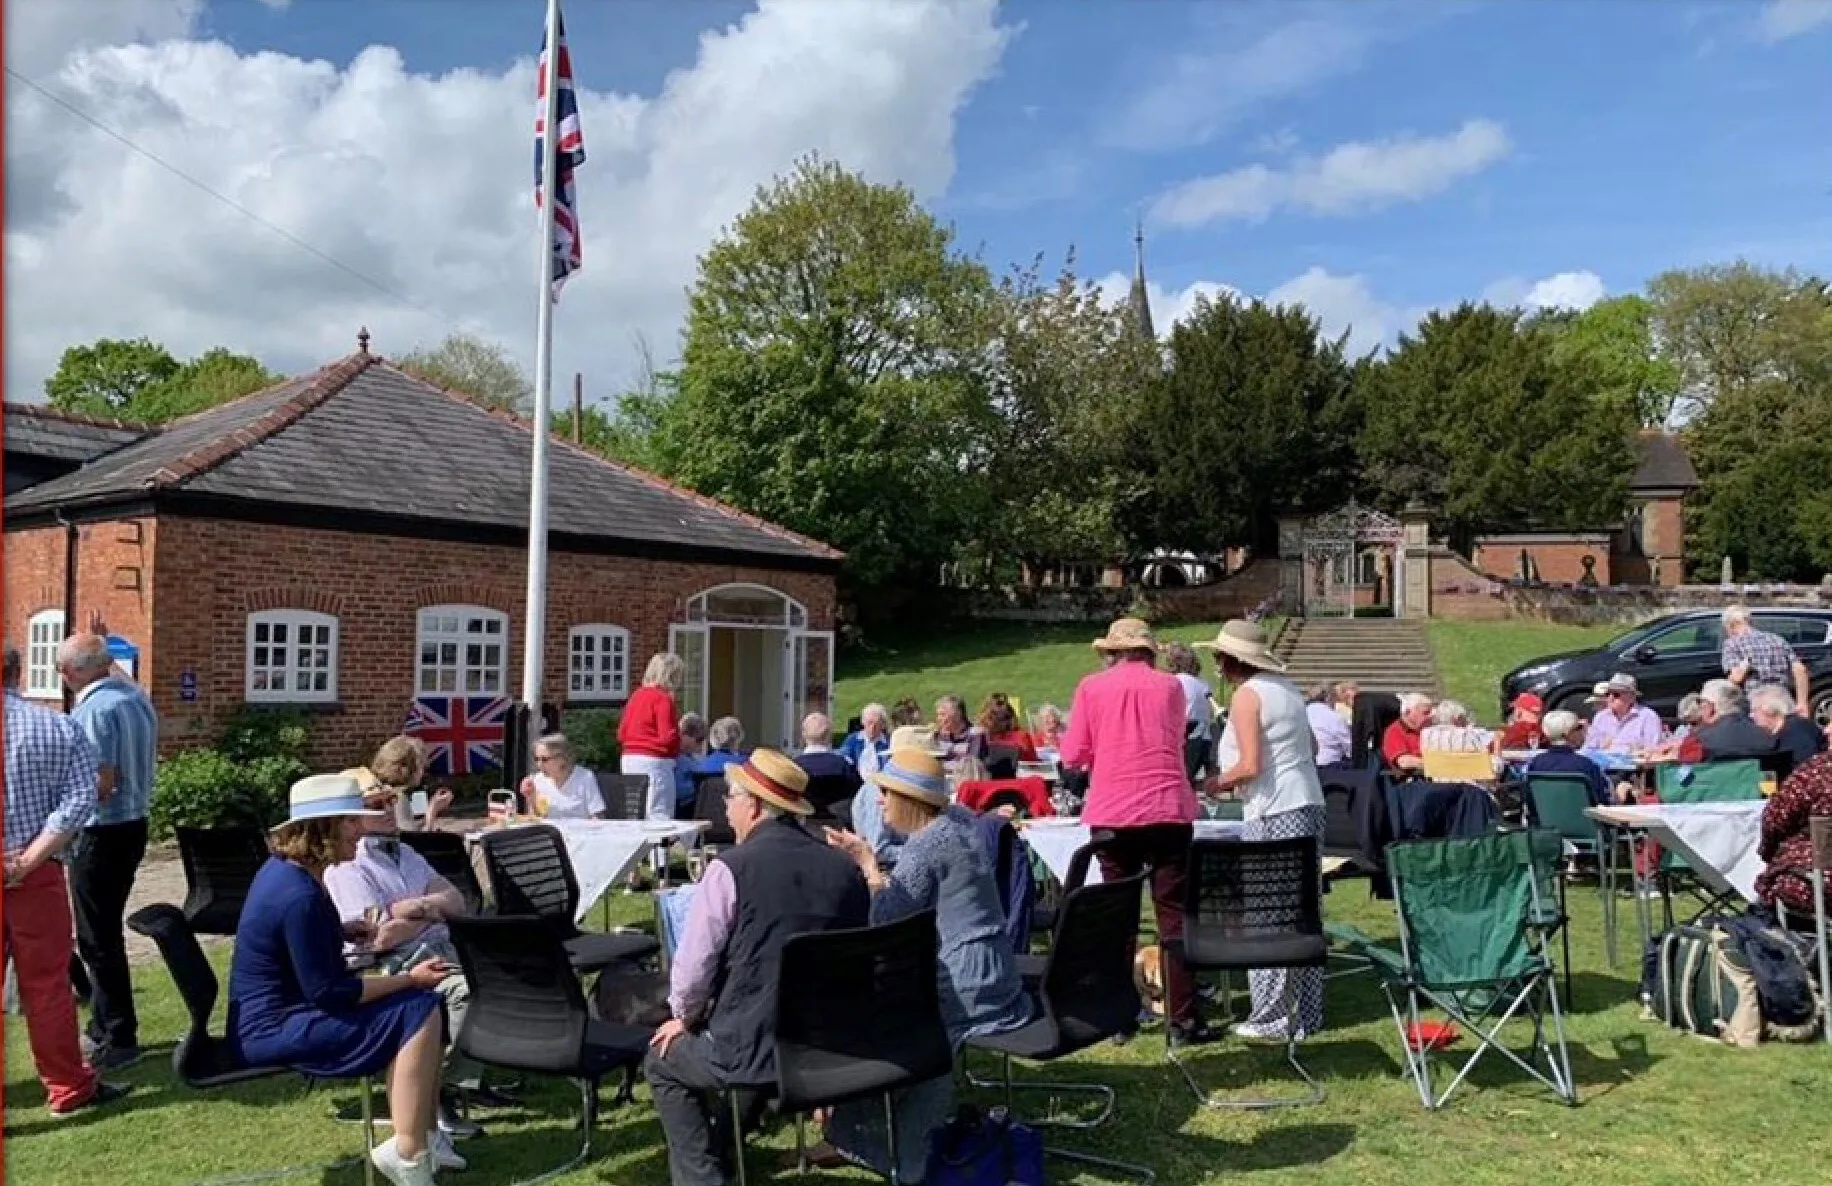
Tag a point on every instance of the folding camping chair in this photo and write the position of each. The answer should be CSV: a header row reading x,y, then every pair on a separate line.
x,y
1472,944
1736,780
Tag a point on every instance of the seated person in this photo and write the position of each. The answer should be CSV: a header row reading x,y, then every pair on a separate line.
x,y
1622,724
776,881
560,788
693,748
1725,731
868,807
1522,732
1690,711
1401,745
1050,728
1329,729
1344,700
399,766
955,733
831,778
1773,709
726,737
945,869
294,1003
1452,732
998,720
1564,733
1786,844
866,747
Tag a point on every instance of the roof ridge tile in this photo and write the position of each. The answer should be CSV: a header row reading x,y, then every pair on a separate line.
x,y
17,407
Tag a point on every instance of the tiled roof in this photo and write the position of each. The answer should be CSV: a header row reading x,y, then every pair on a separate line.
x,y
361,436
41,431
1661,463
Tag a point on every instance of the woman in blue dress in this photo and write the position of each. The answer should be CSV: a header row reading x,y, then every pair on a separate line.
x,y
943,867
294,1003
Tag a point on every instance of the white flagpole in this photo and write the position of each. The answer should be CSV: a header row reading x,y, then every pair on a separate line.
x,y
534,634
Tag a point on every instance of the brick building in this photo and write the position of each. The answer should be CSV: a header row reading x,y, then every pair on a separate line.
x,y
354,537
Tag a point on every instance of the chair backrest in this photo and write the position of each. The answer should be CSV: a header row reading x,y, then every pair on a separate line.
x,y
1002,761
199,1057
626,796
1776,764
1449,766
1253,903
1559,802
858,1012
1737,780
219,866
1087,991
531,873
446,853
709,805
1372,713
1468,906
527,1011
825,790
1819,832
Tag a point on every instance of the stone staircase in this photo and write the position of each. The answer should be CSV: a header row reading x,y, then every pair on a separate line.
x,y
1379,654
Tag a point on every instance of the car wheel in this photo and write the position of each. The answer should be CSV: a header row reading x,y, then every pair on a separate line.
x,y
1822,707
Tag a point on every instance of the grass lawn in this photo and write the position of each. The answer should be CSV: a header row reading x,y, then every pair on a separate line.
x,y
1473,656
1656,1109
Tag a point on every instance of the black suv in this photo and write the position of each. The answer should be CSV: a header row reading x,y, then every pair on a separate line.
x,y
1674,655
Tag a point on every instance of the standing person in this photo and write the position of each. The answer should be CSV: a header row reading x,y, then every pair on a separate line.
x,y
120,723
50,796
1267,752
1126,726
649,732
1755,658
1199,727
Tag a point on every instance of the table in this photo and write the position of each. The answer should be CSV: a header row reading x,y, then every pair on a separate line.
x,y
603,851
1055,839
1718,840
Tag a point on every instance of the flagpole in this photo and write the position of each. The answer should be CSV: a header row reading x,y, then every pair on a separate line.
x,y
534,634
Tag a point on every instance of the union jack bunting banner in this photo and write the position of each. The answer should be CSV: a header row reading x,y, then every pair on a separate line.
x,y
567,256
463,734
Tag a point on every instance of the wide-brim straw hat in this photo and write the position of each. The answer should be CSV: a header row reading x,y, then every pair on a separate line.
x,y
775,779
916,737
1127,634
1245,641
373,790
914,774
325,796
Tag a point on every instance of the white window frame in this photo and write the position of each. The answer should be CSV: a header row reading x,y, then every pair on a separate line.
x,y
607,687
470,627
44,632
258,666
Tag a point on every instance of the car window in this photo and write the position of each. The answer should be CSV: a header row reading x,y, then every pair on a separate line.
x,y
1799,631
1689,638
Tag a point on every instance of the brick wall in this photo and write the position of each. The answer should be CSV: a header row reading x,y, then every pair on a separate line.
x,y
1557,561
114,573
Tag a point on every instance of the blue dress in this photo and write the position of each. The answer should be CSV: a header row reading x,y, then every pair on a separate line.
x,y
292,1002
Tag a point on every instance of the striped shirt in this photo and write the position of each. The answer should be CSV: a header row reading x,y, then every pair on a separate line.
x,y
50,773
120,722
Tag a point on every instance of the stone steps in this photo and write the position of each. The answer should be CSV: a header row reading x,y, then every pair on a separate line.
x,y
1379,654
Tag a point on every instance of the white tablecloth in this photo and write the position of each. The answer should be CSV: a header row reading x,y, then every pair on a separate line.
x,y
1718,840
1056,843
604,851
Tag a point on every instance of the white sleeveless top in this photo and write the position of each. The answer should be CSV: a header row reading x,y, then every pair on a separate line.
x,y
1288,755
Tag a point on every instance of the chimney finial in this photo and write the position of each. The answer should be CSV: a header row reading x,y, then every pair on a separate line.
x,y
362,339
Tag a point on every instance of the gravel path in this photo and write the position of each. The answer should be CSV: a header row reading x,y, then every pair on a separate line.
x,y
161,879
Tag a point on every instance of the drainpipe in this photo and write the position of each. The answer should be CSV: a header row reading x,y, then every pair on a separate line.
x,y
71,541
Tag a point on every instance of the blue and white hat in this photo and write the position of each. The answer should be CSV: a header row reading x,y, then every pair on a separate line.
x,y
914,774
325,796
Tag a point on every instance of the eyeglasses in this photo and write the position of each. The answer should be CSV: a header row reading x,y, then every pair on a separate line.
x,y
1618,694
543,758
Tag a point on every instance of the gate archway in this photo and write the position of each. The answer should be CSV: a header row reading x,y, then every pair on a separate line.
x,y
1336,548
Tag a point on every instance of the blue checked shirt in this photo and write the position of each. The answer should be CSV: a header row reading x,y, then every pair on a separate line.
x,y
120,722
50,773
1770,658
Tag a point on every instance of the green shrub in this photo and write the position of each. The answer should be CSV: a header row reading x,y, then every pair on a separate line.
x,y
593,733
243,781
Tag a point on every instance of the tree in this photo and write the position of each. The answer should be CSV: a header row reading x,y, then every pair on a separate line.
x,y
140,380
1729,327
1773,516
1616,338
1480,416
828,375
471,366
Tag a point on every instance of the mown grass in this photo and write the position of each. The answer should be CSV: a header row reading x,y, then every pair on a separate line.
x,y
1473,656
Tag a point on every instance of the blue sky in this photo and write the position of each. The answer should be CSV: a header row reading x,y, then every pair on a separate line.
x,y
1373,158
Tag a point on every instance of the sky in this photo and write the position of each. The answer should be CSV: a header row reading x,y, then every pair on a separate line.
x,y
269,175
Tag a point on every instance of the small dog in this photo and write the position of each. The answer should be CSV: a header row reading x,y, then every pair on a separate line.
x,y
1148,976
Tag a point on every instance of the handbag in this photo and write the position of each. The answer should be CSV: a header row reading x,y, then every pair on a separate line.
x,y
976,1149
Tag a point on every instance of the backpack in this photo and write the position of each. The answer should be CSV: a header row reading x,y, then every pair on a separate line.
x,y
979,1149
1694,980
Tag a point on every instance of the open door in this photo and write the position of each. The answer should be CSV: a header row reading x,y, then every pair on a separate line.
x,y
809,687
689,642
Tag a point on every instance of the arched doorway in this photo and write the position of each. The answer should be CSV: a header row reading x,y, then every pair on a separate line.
x,y
1352,555
749,654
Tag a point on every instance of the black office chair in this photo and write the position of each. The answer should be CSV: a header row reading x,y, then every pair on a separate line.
x,y
1002,761
1255,904
446,853
203,1061
1044,915
827,791
528,1014
1085,995
532,875
219,866
626,796
858,1014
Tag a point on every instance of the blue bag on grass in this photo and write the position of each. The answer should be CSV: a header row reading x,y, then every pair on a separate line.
x,y
975,1149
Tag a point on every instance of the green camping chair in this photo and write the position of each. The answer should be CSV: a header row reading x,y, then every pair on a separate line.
x,y
1559,802
1473,919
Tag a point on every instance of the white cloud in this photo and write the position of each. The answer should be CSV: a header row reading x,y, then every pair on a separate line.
x,y
422,183
1350,178
1564,290
1782,19
41,34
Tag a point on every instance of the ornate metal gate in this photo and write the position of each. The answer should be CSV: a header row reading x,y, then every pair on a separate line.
x,y
1332,550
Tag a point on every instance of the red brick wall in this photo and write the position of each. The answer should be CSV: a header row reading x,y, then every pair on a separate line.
x,y
114,573
1558,562
1664,535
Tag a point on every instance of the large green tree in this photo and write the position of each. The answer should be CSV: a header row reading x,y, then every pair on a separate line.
x,y
482,370
1616,338
1483,418
140,381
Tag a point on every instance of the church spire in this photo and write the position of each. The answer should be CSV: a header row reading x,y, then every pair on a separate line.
x,y
1140,300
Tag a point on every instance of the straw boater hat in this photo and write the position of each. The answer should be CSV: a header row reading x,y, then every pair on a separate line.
x,y
365,778
773,778
914,774
1127,634
916,737
325,796
1246,642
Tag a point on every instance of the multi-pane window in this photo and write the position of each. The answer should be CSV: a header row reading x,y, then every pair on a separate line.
x,y
292,656
598,662
463,651
43,634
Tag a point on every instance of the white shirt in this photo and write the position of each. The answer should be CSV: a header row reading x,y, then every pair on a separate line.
x,y
1335,742
576,798
1288,776
1199,699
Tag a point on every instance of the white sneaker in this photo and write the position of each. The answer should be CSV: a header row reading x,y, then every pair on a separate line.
x,y
400,1171
445,1154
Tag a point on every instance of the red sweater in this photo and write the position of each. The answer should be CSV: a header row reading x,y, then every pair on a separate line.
x,y
650,727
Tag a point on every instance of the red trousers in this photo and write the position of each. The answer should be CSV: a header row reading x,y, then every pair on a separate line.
x,y
38,939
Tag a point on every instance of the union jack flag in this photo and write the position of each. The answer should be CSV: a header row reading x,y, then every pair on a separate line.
x,y
567,256
463,734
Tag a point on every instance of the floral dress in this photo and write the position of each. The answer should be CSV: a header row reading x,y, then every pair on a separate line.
x,y
1786,845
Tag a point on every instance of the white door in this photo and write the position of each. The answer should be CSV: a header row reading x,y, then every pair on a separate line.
x,y
809,686
689,642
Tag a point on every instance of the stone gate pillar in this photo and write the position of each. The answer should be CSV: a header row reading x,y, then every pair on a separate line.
x,y
1414,584
1291,564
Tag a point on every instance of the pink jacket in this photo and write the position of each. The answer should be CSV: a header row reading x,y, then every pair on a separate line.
x,y
1126,725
